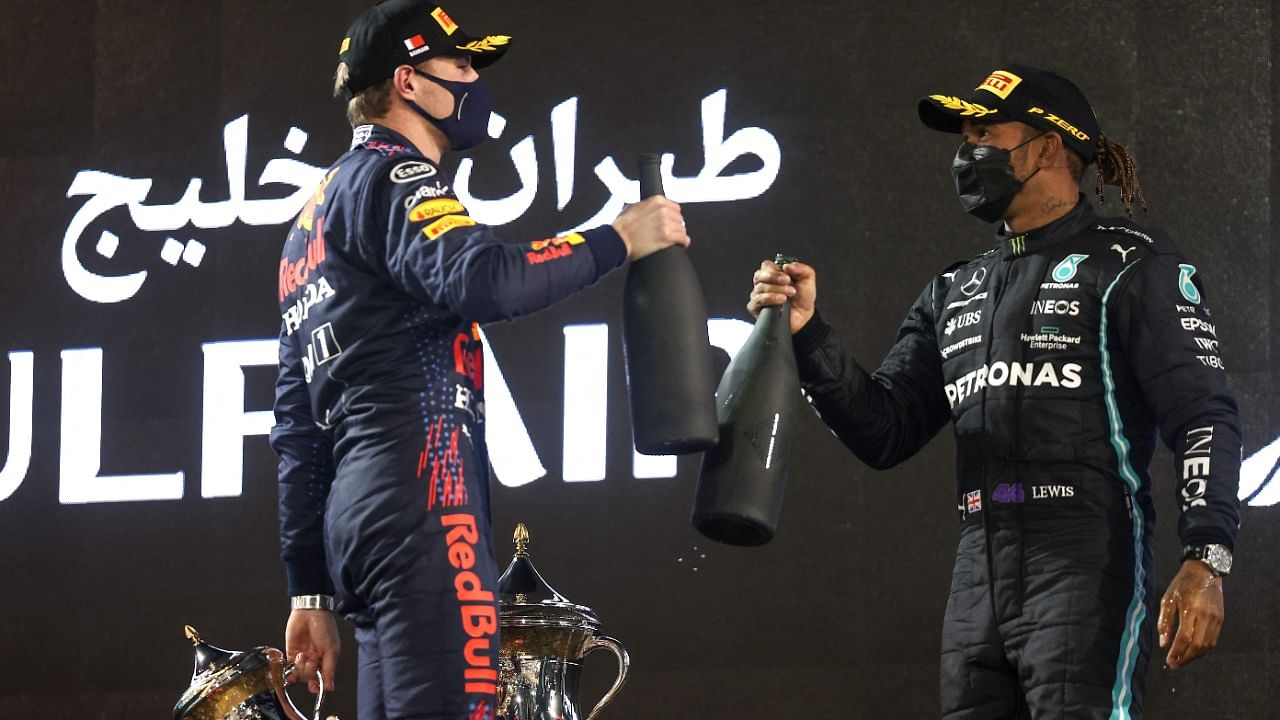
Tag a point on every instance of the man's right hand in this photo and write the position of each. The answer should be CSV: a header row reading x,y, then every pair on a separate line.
x,y
651,225
311,641
774,285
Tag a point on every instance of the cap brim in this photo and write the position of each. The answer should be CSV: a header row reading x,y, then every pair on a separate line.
x,y
947,113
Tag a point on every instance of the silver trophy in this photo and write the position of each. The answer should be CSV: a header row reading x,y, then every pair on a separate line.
x,y
544,639
245,685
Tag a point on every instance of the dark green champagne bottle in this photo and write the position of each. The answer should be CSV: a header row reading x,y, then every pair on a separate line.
x,y
740,490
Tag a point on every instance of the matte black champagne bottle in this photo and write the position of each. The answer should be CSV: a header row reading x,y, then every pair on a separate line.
x,y
739,497
670,378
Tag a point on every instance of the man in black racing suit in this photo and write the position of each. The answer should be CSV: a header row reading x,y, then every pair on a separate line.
x,y
384,281
1058,355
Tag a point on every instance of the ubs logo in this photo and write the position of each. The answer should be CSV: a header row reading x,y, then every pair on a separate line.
x,y
962,320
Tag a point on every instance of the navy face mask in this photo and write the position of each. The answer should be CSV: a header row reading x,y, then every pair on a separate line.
x,y
468,124
984,179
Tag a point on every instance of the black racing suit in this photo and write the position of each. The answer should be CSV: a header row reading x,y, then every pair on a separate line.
x,y
384,497
1058,355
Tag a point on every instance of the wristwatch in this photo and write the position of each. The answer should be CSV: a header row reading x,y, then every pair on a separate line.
x,y
311,602
1217,557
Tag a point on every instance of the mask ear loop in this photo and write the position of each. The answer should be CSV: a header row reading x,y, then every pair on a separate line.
x,y
1024,142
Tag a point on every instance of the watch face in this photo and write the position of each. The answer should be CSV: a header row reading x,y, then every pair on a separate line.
x,y
1219,558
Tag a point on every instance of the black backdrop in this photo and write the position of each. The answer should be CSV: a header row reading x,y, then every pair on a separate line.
x,y
839,616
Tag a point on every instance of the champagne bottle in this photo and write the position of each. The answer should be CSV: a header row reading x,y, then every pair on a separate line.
x,y
668,356
740,489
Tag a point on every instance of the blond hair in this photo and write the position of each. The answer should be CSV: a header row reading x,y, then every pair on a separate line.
x,y
367,105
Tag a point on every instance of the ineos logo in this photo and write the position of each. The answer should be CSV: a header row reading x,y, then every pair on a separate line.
x,y
971,286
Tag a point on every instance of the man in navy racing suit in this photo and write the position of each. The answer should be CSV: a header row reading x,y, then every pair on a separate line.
x,y
384,281
1058,355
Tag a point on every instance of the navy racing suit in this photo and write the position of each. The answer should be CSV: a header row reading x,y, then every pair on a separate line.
x,y
383,479
1058,355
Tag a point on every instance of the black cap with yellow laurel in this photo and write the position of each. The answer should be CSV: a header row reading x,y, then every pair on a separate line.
x,y
407,32
1039,98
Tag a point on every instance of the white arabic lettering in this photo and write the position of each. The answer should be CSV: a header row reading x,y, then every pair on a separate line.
x,y
106,191
109,191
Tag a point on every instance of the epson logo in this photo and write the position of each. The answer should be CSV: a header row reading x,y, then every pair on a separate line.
x,y
1002,373
1198,325
1055,307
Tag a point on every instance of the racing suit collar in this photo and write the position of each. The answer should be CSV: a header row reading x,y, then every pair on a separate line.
x,y
364,134
1014,245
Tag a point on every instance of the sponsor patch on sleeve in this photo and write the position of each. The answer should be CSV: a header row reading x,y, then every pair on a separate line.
x,y
435,208
973,501
541,251
412,170
445,224
426,192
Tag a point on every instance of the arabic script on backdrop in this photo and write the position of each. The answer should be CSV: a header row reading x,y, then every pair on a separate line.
x,y
106,191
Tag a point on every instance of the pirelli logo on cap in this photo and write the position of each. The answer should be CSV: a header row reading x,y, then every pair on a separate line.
x,y
435,208
446,23
1000,83
346,45
445,224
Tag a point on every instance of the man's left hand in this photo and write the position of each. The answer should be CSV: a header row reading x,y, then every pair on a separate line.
x,y
1194,603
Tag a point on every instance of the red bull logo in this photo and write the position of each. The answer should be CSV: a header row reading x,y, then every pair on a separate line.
x,y
468,356
295,273
541,251
479,618
308,213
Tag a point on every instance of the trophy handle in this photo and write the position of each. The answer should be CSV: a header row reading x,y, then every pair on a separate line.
x,y
288,701
624,664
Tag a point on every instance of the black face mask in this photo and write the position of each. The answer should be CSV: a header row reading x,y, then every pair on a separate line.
x,y
984,179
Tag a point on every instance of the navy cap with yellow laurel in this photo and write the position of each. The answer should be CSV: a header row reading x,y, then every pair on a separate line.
x,y
1039,98
407,32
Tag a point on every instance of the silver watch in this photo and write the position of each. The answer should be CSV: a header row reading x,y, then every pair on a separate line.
x,y
311,602
1217,557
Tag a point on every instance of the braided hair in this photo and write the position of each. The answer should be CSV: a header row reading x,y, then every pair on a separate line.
x,y
1117,166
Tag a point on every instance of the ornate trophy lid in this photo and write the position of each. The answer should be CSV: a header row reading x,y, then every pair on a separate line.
x,y
208,657
527,599
220,675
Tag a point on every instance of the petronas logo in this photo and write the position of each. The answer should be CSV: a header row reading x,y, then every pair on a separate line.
x,y
1188,288
1067,268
